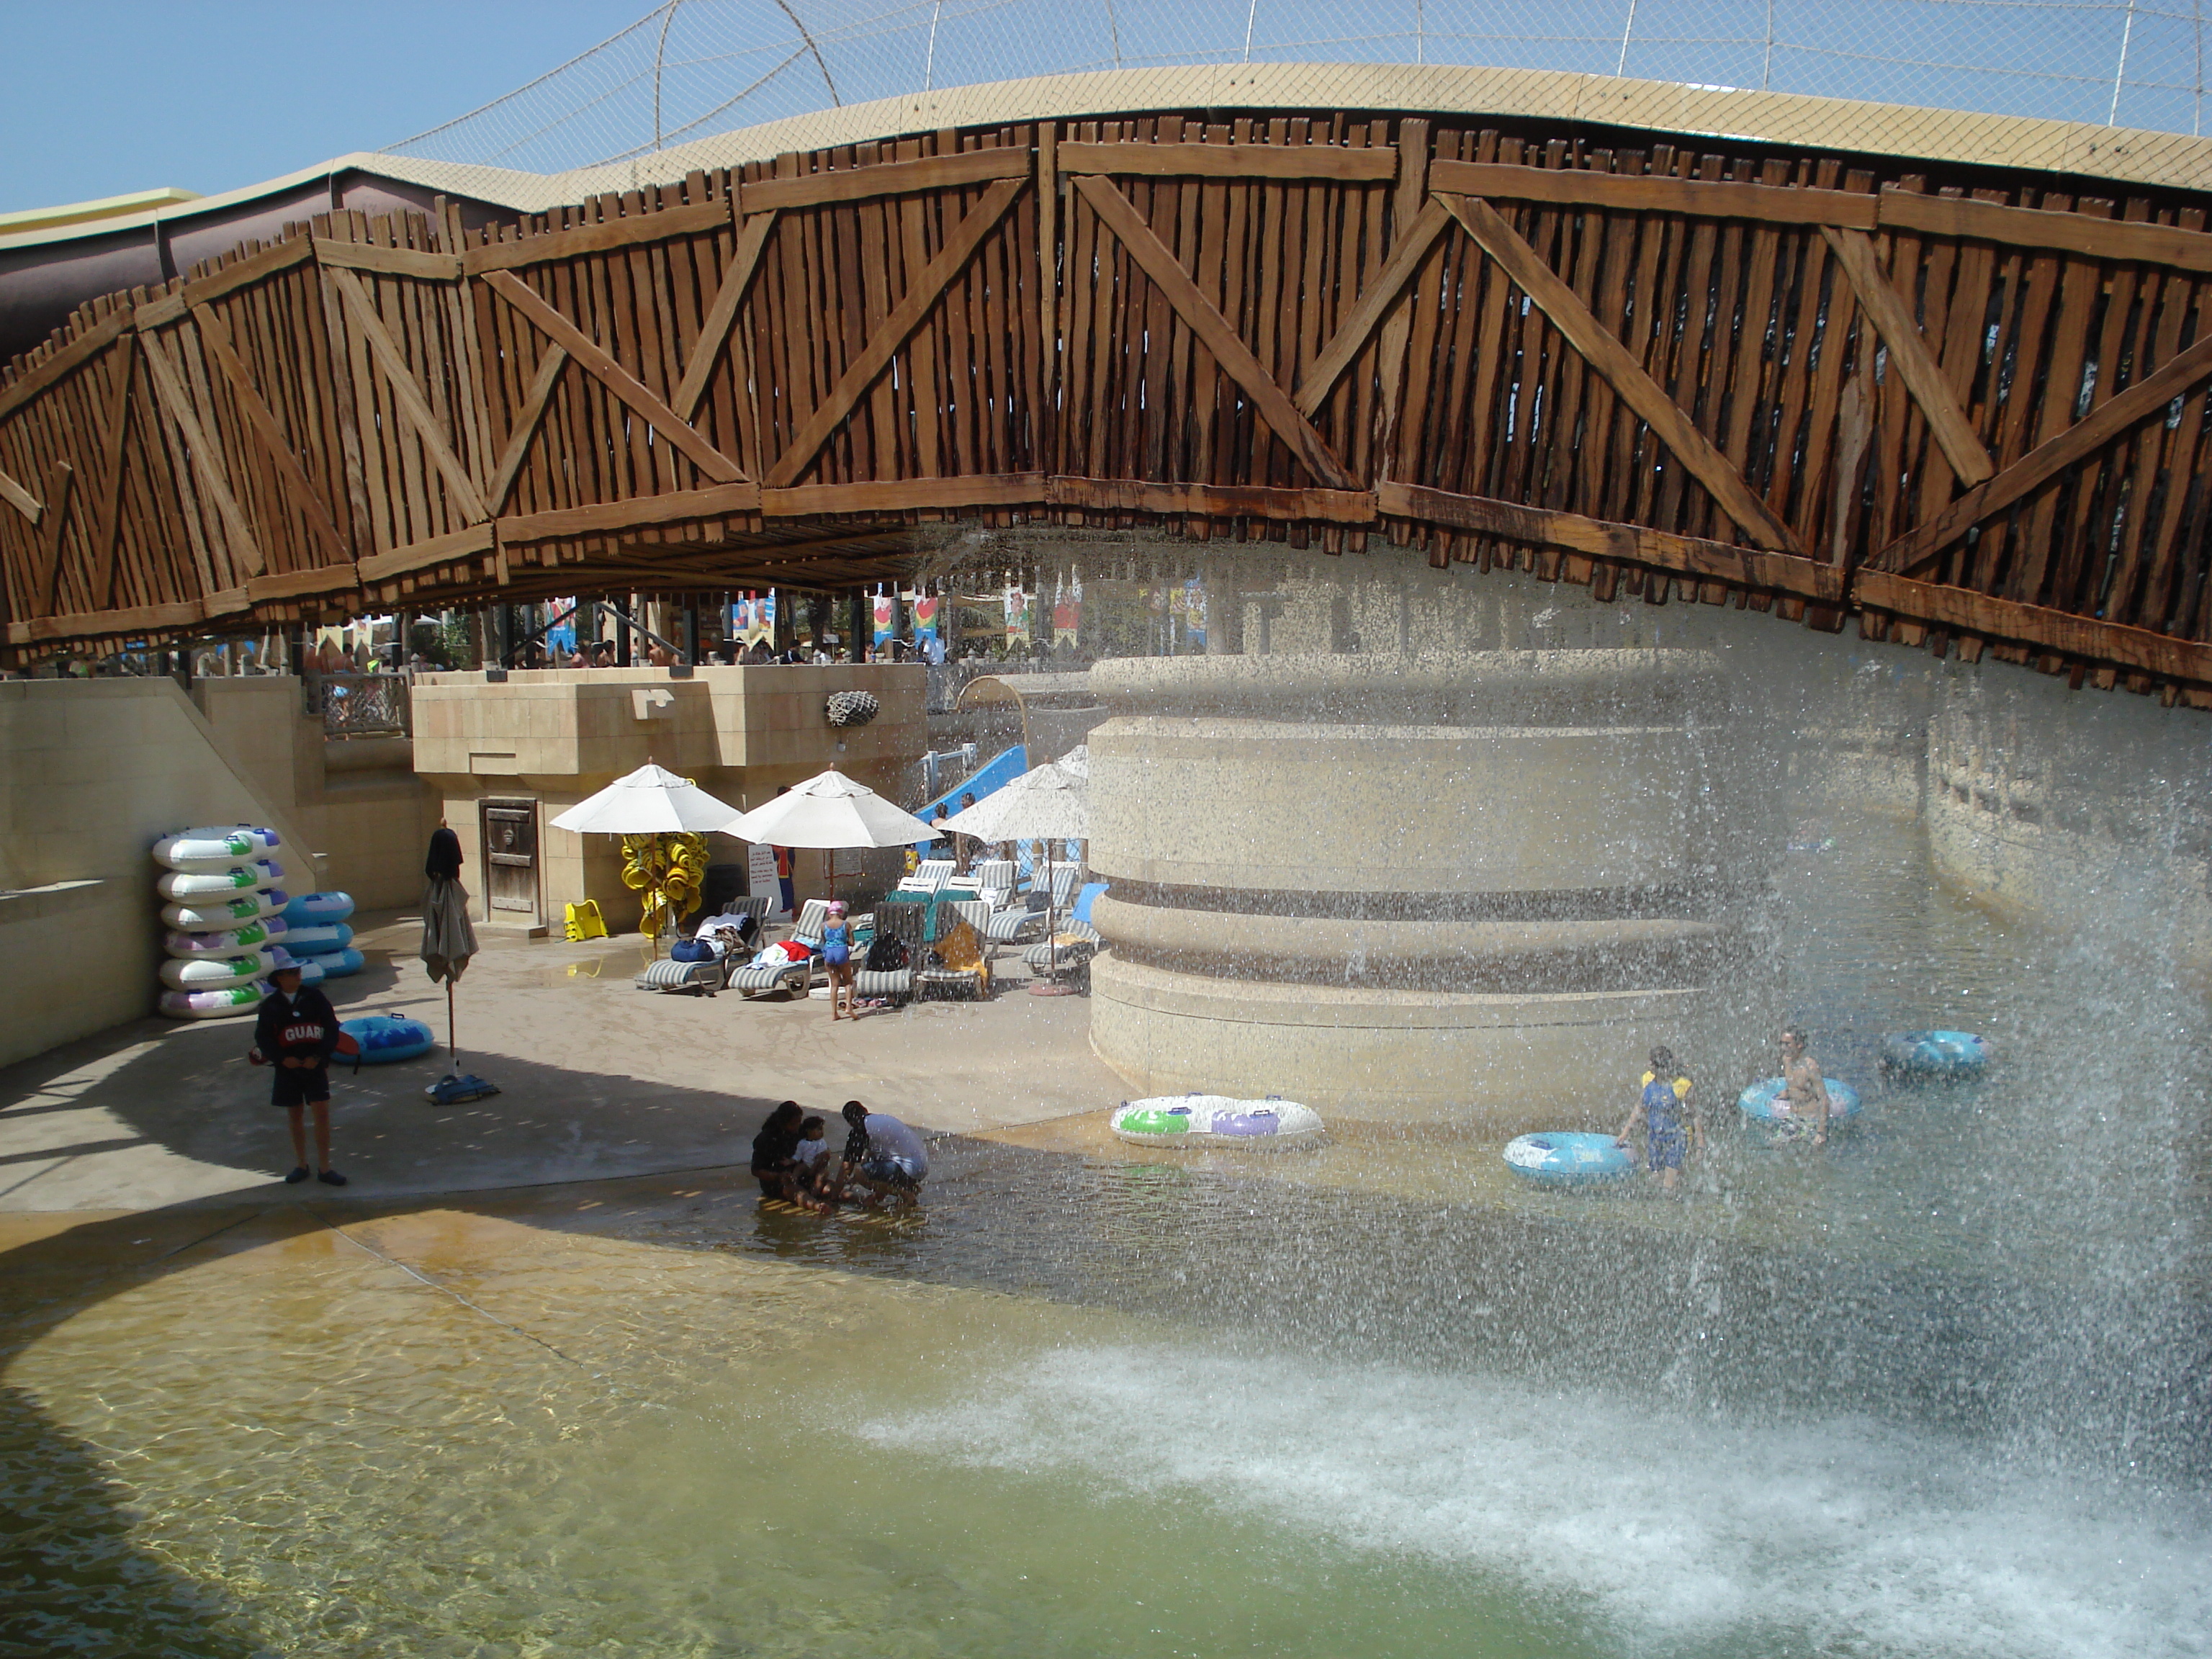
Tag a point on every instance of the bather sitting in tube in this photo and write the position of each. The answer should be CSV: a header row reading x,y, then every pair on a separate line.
x,y
884,1160
776,1164
1672,1128
1804,1103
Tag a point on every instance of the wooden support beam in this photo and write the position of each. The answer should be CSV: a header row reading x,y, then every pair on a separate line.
x,y
2067,232
720,502
905,317
684,438
966,168
2140,402
722,314
527,420
1619,365
1689,555
632,230
407,393
1923,376
387,261
207,459
1960,608
1617,192
1339,163
107,532
1120,215
1361,321
20,498
61,486
65,360
216,338
477,539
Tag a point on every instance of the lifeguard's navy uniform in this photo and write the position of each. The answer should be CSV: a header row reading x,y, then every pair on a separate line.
x,y
304,1026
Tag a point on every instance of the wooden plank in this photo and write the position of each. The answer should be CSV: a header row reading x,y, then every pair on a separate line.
x,y
2058,630
914,306
1692,556
65,361
527,420
2140,402
238,274
138,619
476,539
20,498
686,438
406,394
1786,205
1337,162
714,328
904,495
61,487
387,261
106,534
1627,377
321,579
206,458
719,501
974,167
216,338
2066,232
1214,330
631,230
1360,322
1045,386
1220,501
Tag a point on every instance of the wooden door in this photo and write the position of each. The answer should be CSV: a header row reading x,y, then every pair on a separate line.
x,y
510,844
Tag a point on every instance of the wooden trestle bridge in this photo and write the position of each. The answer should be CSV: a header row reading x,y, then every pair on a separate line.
x,y
1966,409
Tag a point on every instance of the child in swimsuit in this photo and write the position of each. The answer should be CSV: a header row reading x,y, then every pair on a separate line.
x,y
1672,1129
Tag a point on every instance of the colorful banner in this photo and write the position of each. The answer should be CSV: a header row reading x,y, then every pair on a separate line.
x,y
886,619
1018,617
751,618
925,609
1067,611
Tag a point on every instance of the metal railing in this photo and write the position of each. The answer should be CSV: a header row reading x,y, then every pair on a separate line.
x,y
360,705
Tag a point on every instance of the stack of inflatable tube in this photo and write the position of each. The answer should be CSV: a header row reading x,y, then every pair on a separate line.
x,y
224,919
1216,1121
316,935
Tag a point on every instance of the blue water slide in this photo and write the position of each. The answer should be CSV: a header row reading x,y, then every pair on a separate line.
x,y
1001,769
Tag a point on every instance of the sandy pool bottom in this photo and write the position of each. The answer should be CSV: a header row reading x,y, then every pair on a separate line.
x,y
444,1433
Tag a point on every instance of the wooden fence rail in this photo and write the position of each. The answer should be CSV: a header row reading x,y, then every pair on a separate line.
x,y
1967,409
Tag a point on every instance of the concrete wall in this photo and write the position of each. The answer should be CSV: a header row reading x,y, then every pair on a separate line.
x,y
558,736
92,774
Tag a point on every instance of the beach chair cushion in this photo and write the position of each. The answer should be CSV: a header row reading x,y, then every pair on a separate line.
x,y
890,984
1015,926
669,974
813,917
1071,948
795,976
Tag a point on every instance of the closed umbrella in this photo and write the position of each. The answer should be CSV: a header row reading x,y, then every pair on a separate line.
x,y
1050,802
449,940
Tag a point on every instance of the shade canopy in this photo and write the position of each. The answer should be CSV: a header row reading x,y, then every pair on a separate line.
x,y
1047,801
830,811
650,801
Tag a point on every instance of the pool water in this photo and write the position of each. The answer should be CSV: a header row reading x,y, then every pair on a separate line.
x,y
1940,1393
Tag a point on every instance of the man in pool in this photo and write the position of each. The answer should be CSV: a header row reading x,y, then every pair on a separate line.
x,y
884,1158
297,1032
1803,1100
1665,1110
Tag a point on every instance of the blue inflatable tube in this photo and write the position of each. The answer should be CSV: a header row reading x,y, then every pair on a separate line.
x,y
335,964
387,1037
1558,1159
1758,1105
317,909
318,938
1935,1053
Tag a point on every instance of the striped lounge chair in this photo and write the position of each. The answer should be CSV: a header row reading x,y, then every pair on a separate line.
x,y
904,921
794,977
1068,955
1018,925
705,977
964,966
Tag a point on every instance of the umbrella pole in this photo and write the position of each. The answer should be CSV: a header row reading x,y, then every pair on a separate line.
x,y
453,1044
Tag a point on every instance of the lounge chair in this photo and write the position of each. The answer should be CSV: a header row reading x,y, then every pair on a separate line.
x,y
1018,925
1067,954
796,976
995,881
708,977
904,921
964,967
929,876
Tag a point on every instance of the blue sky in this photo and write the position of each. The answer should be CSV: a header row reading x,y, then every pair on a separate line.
x,y
105,96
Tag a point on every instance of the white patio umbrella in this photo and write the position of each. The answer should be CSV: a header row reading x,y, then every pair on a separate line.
x,y
650,801
830,811
1049,802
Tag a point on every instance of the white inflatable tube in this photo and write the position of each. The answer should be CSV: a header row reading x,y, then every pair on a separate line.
x,y
206,884
216,848
253,936
216,973
216,915
317,939
211,1005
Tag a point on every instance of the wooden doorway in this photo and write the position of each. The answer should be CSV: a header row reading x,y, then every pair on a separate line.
x,y
510,844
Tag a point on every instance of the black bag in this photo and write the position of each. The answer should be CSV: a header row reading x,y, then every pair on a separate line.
x,y
886,956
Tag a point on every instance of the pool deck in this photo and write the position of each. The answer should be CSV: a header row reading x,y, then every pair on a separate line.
x,y
598,1080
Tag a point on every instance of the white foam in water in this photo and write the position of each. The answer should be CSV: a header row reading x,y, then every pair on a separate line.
x,y
1675,1535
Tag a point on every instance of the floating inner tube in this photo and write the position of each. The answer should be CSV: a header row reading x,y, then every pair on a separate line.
x,y
1216,1121
335,964
211,1005
317,938
216,973
1567,1159
220,915
1757,1104
215,849
386,1037
315,909
203,884
254,936
1935,1053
